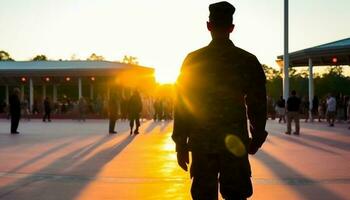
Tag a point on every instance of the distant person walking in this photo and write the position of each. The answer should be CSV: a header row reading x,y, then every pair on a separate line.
x,y
306,108
281,109
293,108
331,109
314,109
113,112
82,107
47,110
15,110
25,109
134,110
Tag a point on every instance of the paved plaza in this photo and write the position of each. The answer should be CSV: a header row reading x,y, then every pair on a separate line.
x,y
66,159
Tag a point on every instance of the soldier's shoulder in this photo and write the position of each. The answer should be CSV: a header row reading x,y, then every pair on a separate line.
x,y
197,53
244,54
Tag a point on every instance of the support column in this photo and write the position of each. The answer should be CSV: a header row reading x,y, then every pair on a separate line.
x,y
31,94
54,95
22,93
311,86
91,91
44,91
80,88
7,94
285,55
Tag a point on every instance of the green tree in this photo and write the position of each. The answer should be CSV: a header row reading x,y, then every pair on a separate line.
x,y
4,56
95,57
273,81
332,81
130,60
39,58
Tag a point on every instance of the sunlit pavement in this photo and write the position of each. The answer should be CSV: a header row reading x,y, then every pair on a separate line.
x,y
67,159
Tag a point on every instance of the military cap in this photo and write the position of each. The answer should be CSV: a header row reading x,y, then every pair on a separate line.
x,y
221,13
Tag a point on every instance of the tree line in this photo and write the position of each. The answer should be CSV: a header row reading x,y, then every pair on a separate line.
x,y
5,56
332,81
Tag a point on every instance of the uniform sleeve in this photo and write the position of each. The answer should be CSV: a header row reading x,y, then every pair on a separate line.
x,y
256,101
181,113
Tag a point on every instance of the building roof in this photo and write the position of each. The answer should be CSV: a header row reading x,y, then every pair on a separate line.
x,y
64,68
322,55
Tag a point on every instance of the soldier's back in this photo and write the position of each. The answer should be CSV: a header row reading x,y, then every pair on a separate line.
x,y
215,80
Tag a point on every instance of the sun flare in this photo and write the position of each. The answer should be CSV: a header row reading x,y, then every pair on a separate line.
x,y
166,76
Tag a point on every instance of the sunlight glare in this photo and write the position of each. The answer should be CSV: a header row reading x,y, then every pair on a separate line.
x,y
166,76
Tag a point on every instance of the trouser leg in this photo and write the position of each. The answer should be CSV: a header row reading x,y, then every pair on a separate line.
x,y
14,123
289,122
235,173
111,124
137,121
204,173
297,123
131,123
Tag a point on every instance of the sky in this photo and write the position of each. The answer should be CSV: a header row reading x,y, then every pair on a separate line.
x,y
161,32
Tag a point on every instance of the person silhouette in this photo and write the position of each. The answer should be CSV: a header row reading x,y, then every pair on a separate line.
x,y
113,112
47,110
134,110
220,86
15,110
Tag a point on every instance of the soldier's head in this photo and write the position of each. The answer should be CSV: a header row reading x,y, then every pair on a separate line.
x,y
220,19
294,93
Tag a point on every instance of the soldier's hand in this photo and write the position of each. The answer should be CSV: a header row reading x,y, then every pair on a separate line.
x,y
183,159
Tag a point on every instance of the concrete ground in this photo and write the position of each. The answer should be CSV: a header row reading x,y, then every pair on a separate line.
x,y
66,159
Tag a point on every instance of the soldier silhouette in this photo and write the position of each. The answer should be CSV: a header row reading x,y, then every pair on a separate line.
x,y
219,88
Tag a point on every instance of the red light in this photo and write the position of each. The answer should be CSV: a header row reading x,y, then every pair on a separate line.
x,y
334,59
67,78
92,78
23,79
47,79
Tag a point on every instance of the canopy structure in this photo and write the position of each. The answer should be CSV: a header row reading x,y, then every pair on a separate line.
x,y
74,73
64,68
333,53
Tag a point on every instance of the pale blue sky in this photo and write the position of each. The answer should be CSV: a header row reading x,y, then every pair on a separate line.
x,y
161,32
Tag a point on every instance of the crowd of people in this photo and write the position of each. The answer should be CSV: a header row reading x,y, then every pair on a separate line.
x,y
332,108
123,107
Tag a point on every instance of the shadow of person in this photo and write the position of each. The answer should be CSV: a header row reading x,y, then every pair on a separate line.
x,y
295,179
55,179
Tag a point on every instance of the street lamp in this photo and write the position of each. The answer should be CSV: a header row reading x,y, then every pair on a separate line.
x,y
23,79
335,60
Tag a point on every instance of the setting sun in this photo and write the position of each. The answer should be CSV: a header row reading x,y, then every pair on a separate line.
x,y
166,76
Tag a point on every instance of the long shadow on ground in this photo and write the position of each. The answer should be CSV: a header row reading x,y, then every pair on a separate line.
x,y
295,178
40,185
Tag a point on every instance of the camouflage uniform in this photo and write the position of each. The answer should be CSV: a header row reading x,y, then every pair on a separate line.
x,y
219,86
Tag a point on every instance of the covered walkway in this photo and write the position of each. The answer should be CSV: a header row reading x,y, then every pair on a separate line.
x,y
96,76
335,53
